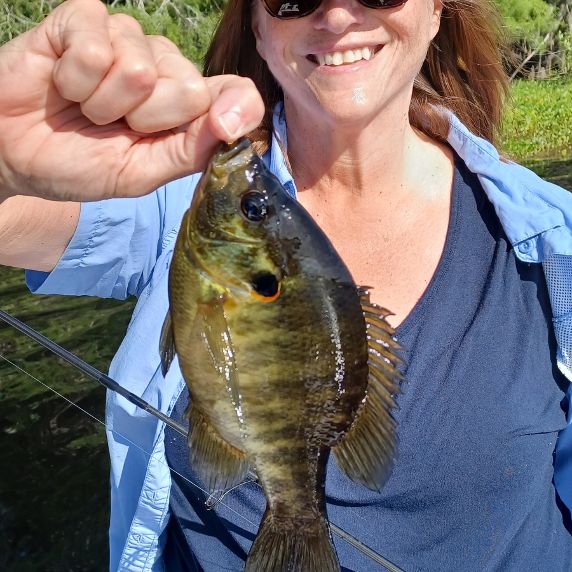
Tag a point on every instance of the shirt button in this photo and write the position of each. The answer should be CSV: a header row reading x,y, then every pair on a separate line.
x,y
525,247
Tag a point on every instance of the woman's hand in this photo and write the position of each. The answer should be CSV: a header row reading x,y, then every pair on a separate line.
x,y
91,108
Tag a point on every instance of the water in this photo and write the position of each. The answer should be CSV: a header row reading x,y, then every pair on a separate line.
x,y
54,473
54,494
558,171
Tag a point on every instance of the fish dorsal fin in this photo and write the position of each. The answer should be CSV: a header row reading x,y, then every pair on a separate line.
x,y
367,451
167,344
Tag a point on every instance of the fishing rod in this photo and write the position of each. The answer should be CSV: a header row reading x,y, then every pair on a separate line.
x,y
91,371
111,384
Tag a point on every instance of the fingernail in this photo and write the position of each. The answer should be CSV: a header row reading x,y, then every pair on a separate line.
x,y
231,123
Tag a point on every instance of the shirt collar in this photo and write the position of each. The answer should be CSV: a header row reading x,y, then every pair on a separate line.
x,y
514,191
276,156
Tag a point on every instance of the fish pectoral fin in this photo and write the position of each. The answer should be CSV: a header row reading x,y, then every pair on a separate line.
x,y
367,451
219,341
218,464
292,544
167,344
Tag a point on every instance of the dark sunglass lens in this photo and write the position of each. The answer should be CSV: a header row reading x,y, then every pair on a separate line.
x,y
382,3
286,10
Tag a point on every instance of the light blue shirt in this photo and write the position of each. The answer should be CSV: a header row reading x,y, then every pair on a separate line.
x,y
123,247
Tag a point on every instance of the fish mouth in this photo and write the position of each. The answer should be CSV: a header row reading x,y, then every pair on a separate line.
x,y
229,151
232,156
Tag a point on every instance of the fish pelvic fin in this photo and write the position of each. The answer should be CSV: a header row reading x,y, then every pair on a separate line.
x,y
367,451
218,464
292,545
167,344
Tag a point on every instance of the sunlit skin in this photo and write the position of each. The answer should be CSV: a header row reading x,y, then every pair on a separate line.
x,y
325,94
380,189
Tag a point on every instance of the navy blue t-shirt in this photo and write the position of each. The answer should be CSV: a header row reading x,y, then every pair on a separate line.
x,y
478,418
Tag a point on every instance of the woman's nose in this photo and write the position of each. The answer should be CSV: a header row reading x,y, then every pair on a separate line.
x,y
337,16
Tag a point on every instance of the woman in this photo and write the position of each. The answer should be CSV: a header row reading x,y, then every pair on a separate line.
x,y
449,236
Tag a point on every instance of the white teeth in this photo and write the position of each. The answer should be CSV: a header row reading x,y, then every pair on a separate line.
x,y
346,57
337,58
349,57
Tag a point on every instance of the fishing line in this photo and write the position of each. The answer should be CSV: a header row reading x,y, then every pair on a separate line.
x,y
52,389
204,491
110,383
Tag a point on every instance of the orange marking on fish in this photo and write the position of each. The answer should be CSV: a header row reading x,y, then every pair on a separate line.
x,y
262,298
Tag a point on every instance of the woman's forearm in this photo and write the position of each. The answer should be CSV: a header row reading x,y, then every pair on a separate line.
x,y
35,232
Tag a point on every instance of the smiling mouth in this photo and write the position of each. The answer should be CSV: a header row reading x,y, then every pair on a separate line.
x,y
344,57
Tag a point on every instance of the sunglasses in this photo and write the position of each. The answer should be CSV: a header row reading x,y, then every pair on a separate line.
x,y
284,10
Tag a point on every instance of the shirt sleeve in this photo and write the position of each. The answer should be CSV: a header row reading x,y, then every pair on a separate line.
x,y
116,244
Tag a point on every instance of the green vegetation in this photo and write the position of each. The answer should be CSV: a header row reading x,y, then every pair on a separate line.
x,y
538,123
54,492
188,23
17,16
527,20
540,37
541,27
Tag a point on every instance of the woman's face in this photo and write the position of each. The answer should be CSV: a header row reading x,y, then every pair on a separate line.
x,y
310,57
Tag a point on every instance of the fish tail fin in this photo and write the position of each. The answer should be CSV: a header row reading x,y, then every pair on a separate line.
x,y
288,545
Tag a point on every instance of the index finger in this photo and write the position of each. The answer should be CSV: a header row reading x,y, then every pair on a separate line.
x,y
78,30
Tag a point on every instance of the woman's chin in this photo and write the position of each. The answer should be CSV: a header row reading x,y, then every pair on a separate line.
x,y
352,110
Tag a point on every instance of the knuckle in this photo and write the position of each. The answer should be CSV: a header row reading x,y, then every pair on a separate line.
x,y
125,22
251,91
165,43
248,83
140,76
95,56
97,5
197,95
85,8
92,4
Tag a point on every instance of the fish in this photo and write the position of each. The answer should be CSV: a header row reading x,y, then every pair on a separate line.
x,y
286,359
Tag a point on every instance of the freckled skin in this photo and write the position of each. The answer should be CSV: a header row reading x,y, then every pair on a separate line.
x,y
299,363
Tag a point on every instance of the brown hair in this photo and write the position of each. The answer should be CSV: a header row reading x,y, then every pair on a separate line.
x,y
463,70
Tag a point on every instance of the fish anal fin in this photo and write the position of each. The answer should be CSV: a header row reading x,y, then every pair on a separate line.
x,y
167,344
285,544
218,464
367,451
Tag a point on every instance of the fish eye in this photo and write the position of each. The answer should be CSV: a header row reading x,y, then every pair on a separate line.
x,y
253,205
